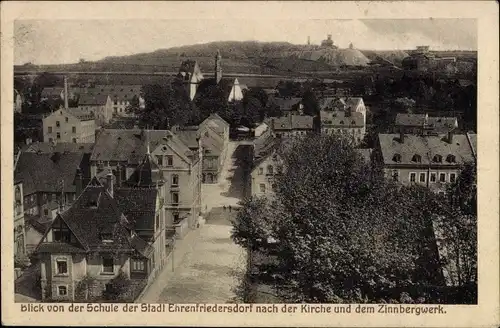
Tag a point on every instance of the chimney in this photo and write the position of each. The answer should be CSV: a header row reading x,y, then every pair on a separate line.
x,y
66,106
118,175
450,136
79,182
109,181
401,136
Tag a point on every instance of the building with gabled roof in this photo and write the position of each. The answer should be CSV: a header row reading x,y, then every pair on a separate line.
x,y
100,106
348,123
291,125
429,160
424,124
92,239
69,125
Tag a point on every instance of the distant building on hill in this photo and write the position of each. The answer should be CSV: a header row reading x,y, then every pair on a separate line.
x,y
328,42
423,60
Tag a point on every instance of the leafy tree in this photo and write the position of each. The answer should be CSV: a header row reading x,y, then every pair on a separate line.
x,y
343,233
213,100
133,107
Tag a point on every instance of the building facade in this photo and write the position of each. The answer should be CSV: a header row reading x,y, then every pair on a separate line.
x,y
69,125
346,123
19,227
100,106
291,125
423,124
431,161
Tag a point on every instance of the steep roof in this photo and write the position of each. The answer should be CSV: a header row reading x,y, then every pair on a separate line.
x,y
130,145
425,146
79,114
117,92
49,147
138,205
93,214
341,120
146,175
45,171
473,142
292,122
188,136
92,100
438,124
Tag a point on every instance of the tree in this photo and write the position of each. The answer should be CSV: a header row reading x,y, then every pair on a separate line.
x,y
343,233
311,107
213,100
456,228
133,107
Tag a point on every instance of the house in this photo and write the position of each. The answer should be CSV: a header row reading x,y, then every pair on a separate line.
x,y
343,104
424,124
46,177
291,125
19,227
344,122
181,168
52,93
191,76
100,106
285,105
430,160
94,241
267,163
69,125
121,96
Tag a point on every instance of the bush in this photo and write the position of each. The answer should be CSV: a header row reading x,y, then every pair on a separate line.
x,y
117,287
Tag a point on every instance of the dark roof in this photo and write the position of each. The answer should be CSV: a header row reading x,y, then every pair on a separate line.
x,y
187,66
138,205
292,122
147,174
188,136
49,147
340,119
263,148
81,115
425,146
473,142
116,92
285,103
92,100
95,213
438,124
44,172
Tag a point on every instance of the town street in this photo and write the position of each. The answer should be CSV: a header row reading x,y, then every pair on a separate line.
x,y
207,265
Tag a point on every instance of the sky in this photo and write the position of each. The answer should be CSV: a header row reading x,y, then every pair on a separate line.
x,y
66,41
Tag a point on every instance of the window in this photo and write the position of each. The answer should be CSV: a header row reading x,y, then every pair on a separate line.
x,y
416,158
396,158
60,232
422,177
450,158
452,177
137,265
175,198
437,159
74,140
262,187
395,175
62,290
58,136
66,119
108,265
433,176
176,218
273,187
261,170
170,160
442,177
58,124
62,266
175,180
49,130
413,177
270,169
280,169
45,212
73,129
159,160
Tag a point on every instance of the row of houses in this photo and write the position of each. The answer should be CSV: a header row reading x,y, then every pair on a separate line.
x,y
113,206
427,154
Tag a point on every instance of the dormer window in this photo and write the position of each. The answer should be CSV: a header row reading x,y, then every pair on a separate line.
x,y
437,159
341,122
451,158
353,122
396,158
416,158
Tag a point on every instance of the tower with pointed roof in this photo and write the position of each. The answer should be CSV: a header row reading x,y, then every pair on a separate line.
x,y
218,67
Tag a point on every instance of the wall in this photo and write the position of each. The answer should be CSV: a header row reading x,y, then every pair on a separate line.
x,y
65,129
94,266
404,176
265,178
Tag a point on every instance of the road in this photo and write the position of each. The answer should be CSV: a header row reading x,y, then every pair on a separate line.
x,y
209,265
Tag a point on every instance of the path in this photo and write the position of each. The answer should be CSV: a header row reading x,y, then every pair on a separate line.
x,y
207,264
